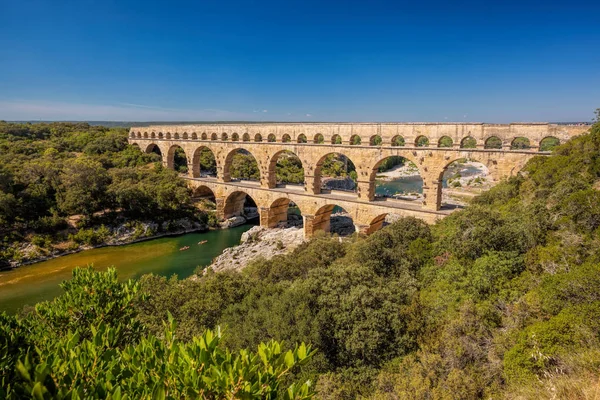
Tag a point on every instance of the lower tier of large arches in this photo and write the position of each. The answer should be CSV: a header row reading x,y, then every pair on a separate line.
x,y
316,210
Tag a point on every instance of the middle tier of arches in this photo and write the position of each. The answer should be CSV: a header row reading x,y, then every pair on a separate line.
x,y
431,164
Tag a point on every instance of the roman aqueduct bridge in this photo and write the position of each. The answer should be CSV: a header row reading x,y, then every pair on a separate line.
x,y
367,145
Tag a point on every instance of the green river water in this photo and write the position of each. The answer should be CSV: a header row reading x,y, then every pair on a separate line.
x,y
30,284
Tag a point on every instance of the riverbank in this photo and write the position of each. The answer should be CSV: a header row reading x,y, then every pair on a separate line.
x,y
122,234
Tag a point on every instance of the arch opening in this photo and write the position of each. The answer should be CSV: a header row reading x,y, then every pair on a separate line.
x,y
397,178
319,139
286,138
493,142
468,143
549,143
336,139
271,138
285,168
375,140
445,141
153,148
145,135
204,163
235,137
240,204
398,141
355,140
334,219
223,136
284,213
240,165
335,172
246,137
422,141
213,136
461,180
302,138
258,137
520,143
204,198
177,159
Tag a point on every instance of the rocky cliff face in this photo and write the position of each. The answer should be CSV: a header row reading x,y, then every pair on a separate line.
x,y
338,183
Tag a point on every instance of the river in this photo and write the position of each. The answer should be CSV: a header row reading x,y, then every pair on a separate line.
x,y
30,284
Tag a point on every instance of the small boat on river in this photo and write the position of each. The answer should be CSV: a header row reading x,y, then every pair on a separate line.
x,y
184,248
203,241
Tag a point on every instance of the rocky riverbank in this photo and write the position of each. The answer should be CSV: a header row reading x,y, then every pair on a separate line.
x,y
258,242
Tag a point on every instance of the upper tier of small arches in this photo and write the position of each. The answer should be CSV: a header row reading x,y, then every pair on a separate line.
x,y
491,142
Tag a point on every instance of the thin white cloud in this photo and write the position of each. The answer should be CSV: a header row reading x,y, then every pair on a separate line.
x,y
309,115
44,110
265,111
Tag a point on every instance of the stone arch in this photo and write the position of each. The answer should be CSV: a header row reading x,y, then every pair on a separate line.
x,y
153,135
177,160
375,224
194,136
493,142
291,173
459,172
136,145
302,138
355,140
375,140
184,136
145,135
319,138
520,143
235,137
224,136
445,141
176,135
322,221
153,148
160,135
404,186
421,141
246,137
204,162
336,139
213,136
398,141
271,138
549,143
249,168
258,137
235,203
468,142
279,212
204,197
342,168
168,135
286,138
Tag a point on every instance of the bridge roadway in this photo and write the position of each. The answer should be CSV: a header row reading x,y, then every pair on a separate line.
x,y
431,147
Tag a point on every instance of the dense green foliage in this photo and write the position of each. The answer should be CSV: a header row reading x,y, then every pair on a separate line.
x,y
49,172
499,300
88,343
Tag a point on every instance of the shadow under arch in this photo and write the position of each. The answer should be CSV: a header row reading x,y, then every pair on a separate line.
x,y
341,171
240,164
285,167
283,212
204,163
396,177
240,203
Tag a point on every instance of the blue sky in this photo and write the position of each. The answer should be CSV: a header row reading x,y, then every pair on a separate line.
x,y
299,60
